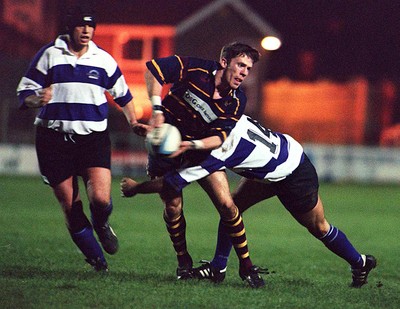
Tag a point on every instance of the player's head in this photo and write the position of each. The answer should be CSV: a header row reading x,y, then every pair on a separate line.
x,y
77,16
236,60
235,49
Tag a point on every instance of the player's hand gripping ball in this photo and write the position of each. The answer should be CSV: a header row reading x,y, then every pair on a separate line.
x,y
164,140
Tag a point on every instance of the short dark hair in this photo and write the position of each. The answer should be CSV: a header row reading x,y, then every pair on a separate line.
x,y
235,49
77,16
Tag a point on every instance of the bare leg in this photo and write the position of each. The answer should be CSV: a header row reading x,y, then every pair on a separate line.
x,y
314,220
98,187
333,238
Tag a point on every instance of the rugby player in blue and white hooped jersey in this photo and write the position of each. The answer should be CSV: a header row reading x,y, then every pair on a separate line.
x,y
204,103
66,81
272,164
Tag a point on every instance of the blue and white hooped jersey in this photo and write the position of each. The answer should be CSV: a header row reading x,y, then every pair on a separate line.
x,y
79,104
251,151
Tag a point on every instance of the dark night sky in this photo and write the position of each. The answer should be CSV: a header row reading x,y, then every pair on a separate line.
x,y
349,37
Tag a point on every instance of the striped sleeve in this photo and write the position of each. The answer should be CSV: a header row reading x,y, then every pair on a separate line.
x,y
167,70
35,78
119,89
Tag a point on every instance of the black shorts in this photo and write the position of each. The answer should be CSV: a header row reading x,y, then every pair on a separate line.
x,y
63,155
299,191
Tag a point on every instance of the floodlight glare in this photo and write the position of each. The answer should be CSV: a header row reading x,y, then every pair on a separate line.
x,y
271,43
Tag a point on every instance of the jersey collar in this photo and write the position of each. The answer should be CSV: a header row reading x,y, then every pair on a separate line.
x,y
61,43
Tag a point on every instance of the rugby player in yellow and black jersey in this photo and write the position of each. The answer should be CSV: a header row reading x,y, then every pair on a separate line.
x,y
204,102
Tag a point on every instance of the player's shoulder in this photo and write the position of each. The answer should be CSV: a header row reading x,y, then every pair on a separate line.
x,y
248,123
240,94
194,63
46,49
244,123
44,53
101,51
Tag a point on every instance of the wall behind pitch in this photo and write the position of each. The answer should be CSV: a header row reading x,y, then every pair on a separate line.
x,y
333,163
17,159
355,163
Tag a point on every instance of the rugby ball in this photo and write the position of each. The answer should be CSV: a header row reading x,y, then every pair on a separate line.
x,y
164,140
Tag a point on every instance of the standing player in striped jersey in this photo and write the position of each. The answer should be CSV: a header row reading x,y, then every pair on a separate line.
x,y
272,164
204,103
66,81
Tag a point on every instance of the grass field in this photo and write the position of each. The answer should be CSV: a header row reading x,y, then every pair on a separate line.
x,y
41,268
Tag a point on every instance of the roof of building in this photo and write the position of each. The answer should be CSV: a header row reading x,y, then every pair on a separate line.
x,y
239,6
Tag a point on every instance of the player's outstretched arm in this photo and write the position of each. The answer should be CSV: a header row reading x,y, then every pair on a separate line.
x,y
205,144
138,128
130,187
154,90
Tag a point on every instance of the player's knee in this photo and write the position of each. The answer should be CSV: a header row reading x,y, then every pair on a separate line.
x,y
319,228
100,201
172,213
173,209
224,203
228,210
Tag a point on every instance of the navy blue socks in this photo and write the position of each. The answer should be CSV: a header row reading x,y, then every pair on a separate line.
x,y
223,249
88,244
336,241
81,232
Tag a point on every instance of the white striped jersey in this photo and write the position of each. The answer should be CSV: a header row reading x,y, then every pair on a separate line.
x,y
79,104
251,151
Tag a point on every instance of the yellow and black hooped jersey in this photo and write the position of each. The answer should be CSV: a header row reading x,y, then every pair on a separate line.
x,y
189,105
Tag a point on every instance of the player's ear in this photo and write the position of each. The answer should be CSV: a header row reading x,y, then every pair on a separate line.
x,y
223,62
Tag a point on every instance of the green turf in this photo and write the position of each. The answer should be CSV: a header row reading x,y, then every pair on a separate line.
x,y
41,268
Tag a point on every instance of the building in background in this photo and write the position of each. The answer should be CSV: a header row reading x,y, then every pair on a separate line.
x,y
312,108
218,23
131,46
333,118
